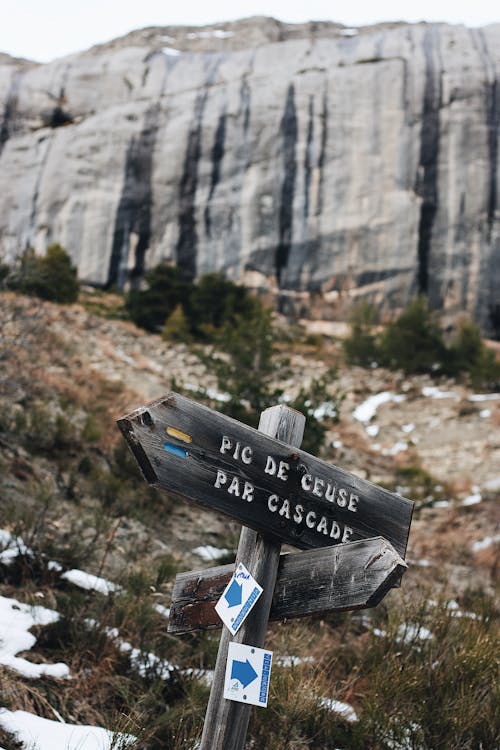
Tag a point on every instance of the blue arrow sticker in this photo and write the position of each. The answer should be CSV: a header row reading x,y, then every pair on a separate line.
x,y
175,449
248,673
233,594
243,672
238,598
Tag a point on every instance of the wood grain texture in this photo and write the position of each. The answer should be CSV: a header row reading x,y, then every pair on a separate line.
x,y
226,722
192,475
349,576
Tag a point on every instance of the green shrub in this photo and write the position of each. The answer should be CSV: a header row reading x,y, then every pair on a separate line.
x,y
248,365
165,289
176,327
413,342
51,276
216,302
468,353
361,347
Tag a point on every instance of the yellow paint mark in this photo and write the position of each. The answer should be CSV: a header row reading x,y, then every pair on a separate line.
x,y
173,432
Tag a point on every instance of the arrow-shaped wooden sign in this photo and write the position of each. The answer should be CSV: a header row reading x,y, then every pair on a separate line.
x,y
356,575
280,491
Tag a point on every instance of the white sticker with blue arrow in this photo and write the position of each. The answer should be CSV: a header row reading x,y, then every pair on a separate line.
x,y
248,671
238,598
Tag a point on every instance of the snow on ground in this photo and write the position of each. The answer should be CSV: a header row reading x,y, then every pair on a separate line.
x,y
473,499
367,410
484,397
15,546
432,391
171,51
164,611
326,410
11,547
210,34
36,733
343,709
210,392
407,633
488,541
16,619
209,553
398,447
89,582
492,485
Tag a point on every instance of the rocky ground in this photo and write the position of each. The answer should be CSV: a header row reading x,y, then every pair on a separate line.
x,y
72,503
436,442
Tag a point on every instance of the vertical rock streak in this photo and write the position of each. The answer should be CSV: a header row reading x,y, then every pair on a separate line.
x,y
289,132
133,216
217,156
188,236
493,121
308,157
322,153
427,177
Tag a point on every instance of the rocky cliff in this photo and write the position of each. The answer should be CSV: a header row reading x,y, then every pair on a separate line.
x,y
319,163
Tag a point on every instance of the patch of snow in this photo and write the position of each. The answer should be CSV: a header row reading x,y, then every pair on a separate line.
x,y
89,582
165,611
408,741
488,541
36,733
144,662
167,39
432,391
379,633
293,661
12,547
372,430
348,32
16,619
493,485
171,51
441,504
210,392
210,34
367,410
410,632
54,565
398,447
473,499
326,410
337,444
407,428
343,709
485,413
423,563
484,397
209,553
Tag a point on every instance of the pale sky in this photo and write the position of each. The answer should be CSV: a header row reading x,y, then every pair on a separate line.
x,y
45,29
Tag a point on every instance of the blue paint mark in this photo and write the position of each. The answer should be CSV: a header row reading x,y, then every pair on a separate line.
x,y
171,448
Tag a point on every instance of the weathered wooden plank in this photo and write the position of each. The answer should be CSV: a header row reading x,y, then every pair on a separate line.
x,y
226,721
282,492
356,575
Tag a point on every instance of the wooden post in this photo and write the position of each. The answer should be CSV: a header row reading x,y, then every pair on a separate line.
x,y
226,721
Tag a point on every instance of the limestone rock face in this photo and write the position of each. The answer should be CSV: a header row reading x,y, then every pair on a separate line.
x,y
319,163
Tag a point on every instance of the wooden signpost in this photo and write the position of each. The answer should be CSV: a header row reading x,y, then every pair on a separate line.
x,y
278,490
280,494
356,575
